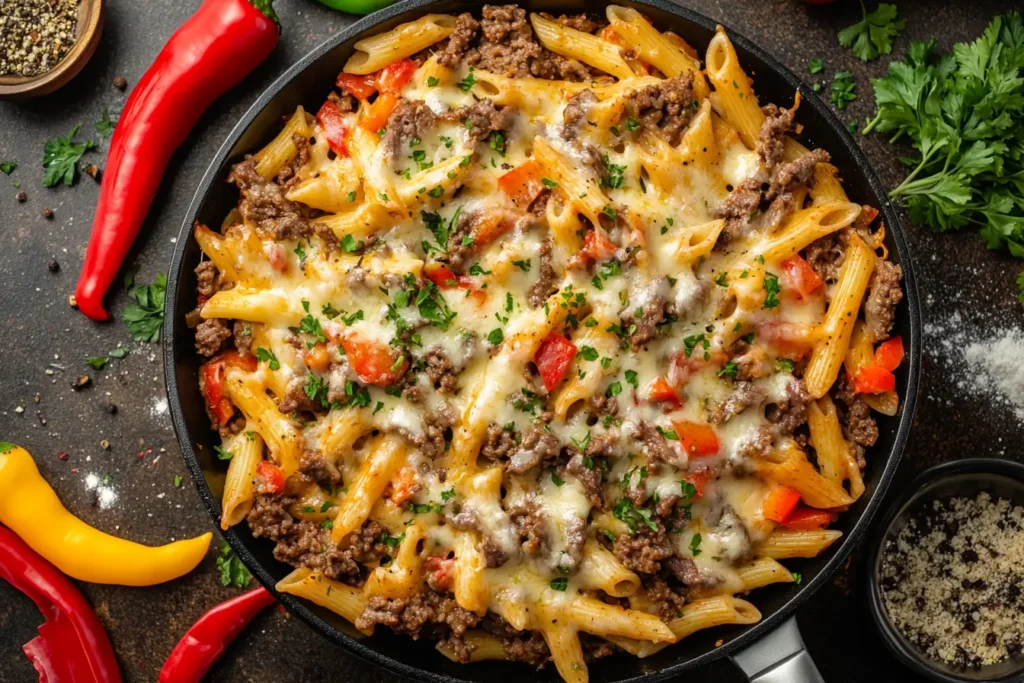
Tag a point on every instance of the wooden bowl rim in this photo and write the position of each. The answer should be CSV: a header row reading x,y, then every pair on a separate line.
x,y
87,35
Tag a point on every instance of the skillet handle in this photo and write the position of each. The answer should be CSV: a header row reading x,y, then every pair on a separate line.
x,y
779,657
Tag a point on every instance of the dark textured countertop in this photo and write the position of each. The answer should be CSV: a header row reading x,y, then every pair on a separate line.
x,y
46,342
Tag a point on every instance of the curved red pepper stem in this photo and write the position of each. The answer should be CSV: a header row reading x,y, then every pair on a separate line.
x,y
206,641
72,645
211,52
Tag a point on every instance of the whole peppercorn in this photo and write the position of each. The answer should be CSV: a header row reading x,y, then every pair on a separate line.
x,y
53,266
47,213
21,197
120,82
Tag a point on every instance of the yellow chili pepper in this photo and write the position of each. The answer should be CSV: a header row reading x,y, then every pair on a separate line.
x,y
31,509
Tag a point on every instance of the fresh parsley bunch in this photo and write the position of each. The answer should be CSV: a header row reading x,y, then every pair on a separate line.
x,y
872,36
964,113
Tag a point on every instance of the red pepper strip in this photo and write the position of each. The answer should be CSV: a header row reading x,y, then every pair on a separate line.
x,y
72,645
206,641
211,52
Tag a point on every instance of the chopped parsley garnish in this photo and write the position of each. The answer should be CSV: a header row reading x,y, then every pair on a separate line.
x,y
264,356
477,269
232,572
632,379
632,125
7,167
581,444
559,584
467,83
495,336
548,183
609,212
614,179
432,82
816,65
690,343
614,389
447,494
588,353
496,141
310,325
632,515
391,541
522,265
784,364
425,508
772,289
527,401
843,89
96,362
349,244
722,279
729,370
695,545
177,481
435,192
669,434
797,578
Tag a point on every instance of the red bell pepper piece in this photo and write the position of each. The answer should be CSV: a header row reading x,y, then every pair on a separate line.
x,y
335,130
211,382
697,439
211,52
445,278
779,503
395,76
359,87
553,357
72,645
799,277
662,391
804,518
699,479
597,246
269,477
373,362
204,643
872,379
889,354
523,183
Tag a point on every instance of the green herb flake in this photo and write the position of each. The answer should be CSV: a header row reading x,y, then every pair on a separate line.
x,y
872,36
232,572
61,156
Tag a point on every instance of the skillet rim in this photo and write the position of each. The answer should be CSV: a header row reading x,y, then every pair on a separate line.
x,y
839,554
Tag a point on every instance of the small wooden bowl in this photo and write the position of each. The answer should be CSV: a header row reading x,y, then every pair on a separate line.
x,y
87,37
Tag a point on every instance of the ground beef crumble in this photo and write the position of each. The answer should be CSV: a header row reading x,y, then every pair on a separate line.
x,y
664,107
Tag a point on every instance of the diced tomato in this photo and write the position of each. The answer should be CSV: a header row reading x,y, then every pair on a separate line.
x,y
373,362
554,355
697,439
662,391
872,379
443,277
889,354
335,130
394,77
787,339
378,112
406,484
359,87
523,183
868,214
805,518
699,479
442,572
799,277
269,477
212,382
779,503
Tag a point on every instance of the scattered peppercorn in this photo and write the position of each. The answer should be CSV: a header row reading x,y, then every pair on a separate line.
x,y
105,445
120,82
111,408
53,266
47,213
93,171
81,382
21,197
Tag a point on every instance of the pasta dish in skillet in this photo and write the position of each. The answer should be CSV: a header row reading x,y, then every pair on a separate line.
x,y
543,339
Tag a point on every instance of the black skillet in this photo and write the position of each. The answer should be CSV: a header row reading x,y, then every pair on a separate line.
x,y
780,656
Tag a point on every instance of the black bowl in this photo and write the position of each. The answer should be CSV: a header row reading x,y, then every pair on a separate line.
x,y
964,478
307,83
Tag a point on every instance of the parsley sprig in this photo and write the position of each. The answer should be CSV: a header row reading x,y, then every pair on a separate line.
x,y
60,158
872,36
964,114
145,317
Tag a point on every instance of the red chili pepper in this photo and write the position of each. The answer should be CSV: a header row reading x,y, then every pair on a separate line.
x,y
206,641
211,52
72,645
